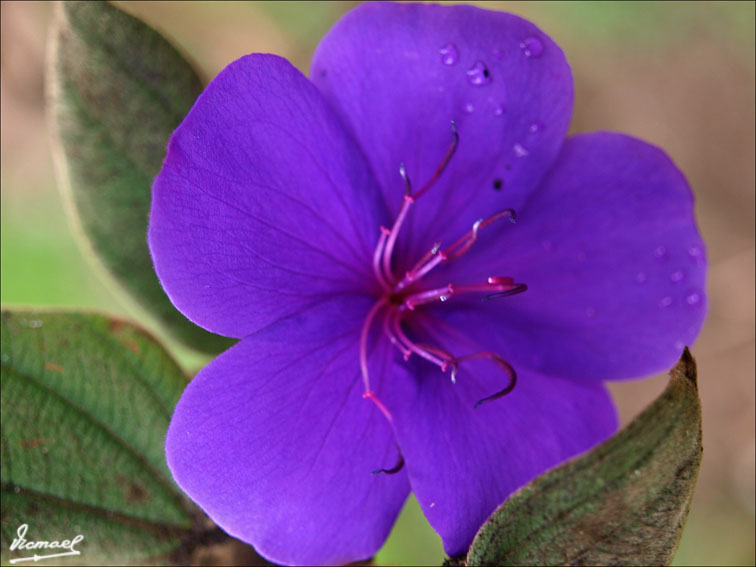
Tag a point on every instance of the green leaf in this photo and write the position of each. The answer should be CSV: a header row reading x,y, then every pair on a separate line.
x,y
86,402
118,89
623,503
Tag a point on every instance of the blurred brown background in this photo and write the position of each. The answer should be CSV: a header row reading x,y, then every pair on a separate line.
x,y
679,75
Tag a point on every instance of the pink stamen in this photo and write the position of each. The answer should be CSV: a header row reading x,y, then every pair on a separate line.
x,y
370,395
414,273
377,259
422,351
461,246
504,365
388,321
399,302
389,248
440,293
364,339
444,162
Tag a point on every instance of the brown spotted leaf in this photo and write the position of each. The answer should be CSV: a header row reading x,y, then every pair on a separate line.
x,y
86,402
623,503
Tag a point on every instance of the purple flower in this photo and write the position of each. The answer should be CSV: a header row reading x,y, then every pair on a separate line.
x,y
356,231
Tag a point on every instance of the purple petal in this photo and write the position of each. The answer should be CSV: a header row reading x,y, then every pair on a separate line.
x,y
464,462
400,73
264,205
275,442
614,265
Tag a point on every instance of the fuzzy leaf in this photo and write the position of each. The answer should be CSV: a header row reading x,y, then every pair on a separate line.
x,y
623,503
118,89
86,402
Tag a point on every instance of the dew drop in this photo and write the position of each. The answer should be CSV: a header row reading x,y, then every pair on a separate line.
x,y
679,345
468,107
478,75
449,54
665,302
499,110
641,277
660,253
693,298
677,276
532,47
696,254
497,184
520,150
535,127
443,298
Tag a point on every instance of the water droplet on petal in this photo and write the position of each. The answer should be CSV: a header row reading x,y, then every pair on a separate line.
x,y
693,298
499,110
641,277
696,254
532,47
660,253
478,75
468,107
449,54
677,276
535,127
443,298
520,150
665,302
679,345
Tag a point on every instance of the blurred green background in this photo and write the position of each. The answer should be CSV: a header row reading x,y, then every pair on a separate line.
x,y
680,75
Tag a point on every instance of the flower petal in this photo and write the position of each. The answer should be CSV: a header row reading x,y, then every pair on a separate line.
x,y
464,462
275,442
264,204
614,265
400,73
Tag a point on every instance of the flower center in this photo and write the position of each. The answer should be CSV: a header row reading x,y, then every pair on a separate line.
x,y
401,295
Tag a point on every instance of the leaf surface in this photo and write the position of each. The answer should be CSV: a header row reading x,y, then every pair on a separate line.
x,y
86,402
117,90
623,503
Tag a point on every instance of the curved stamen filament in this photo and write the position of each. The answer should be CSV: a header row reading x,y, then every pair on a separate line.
x,y
444,161
369,394
436,256
389,321
410,198
377,259
504,365
502,285
396,468
431,354
461,246
389,248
